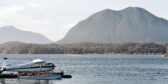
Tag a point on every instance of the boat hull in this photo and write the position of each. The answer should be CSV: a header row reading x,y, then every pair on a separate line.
x,y
47,77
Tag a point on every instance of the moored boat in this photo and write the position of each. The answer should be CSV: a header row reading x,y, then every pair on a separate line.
x,y
36,70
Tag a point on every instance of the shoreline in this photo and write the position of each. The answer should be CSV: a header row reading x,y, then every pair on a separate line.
x,y
92,54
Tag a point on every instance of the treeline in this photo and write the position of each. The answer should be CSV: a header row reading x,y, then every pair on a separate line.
x,y
83,48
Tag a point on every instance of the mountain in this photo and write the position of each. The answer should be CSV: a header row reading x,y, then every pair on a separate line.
x,y
10,33
132,24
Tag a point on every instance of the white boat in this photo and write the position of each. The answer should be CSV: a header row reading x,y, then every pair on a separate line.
x,y
39,75
36,70
31,66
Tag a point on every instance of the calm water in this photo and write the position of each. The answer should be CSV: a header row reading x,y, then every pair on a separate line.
x,y
100,69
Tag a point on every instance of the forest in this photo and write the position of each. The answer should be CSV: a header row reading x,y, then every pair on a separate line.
x,y
83,48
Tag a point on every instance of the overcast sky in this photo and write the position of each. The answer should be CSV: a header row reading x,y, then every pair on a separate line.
x,y
53,18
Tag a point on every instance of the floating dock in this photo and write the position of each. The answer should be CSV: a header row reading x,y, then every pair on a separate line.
x,y
16,76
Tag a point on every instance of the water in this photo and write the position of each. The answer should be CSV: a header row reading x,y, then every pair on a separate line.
x,y
100,69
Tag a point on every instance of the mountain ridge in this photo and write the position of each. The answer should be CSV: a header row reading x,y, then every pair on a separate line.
x,y
11,33
132,24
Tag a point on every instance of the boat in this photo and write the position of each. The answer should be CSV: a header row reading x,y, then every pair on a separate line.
x,y
36,70
31,66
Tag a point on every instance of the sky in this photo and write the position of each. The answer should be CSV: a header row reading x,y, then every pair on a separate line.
x,y
54,18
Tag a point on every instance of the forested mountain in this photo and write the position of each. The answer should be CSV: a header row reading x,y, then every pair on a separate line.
x,y
83,48
132,24
10,33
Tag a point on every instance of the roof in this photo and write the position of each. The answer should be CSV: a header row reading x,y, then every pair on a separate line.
x,y
38,61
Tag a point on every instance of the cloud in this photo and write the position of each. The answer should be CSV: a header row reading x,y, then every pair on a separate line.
x,y
33,4
11,10
1,22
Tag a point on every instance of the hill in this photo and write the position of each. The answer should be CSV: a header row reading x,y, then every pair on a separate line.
x,y
132,24
10,33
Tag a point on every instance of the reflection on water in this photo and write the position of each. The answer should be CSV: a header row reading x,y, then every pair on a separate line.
x,y
42,82
2,81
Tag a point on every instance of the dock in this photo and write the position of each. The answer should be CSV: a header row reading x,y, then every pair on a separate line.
x,y
9,76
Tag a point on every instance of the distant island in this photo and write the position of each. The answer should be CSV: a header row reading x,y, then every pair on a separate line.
x,y
83,48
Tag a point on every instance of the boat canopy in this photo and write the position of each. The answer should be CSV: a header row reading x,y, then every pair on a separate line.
x,y
38,61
